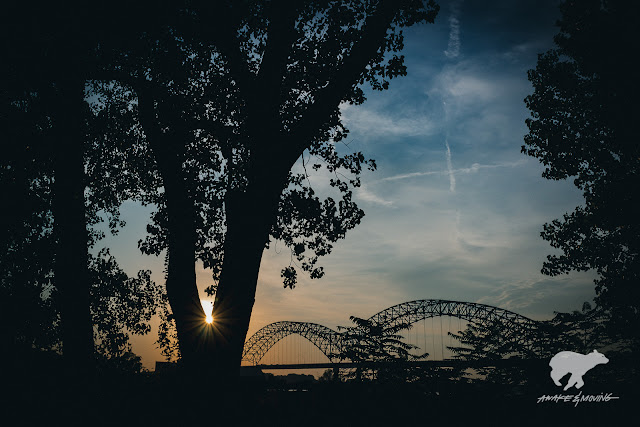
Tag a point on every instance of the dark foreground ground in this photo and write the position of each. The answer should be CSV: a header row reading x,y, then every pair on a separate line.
x,y
42,397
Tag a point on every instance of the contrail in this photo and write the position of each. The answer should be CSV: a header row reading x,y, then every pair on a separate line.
x,y
452,177
476,167
453,48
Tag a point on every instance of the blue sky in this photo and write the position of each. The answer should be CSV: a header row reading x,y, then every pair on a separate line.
x,y
454,210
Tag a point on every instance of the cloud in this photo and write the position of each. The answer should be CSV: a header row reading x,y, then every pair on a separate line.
x,y
474,87
370,122
477,87
539,296
453,47
363,193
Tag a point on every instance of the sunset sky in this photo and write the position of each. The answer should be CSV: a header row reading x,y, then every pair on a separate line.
x,y
454,210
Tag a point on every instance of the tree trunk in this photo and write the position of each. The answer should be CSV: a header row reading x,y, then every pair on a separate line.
x,y
249,215
71,269
182,291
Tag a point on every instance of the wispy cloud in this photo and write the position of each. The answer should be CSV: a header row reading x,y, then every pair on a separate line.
x,y
363,193
537,293
453,48
452,176
368,121
474,168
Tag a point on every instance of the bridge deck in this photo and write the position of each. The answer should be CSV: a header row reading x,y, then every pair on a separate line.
x,y
422,363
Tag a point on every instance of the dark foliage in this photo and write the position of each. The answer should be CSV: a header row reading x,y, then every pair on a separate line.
x,y
378,350
66,165
578,331
584,108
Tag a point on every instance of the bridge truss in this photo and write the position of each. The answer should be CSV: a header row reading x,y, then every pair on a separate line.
x,y
514,327
326,339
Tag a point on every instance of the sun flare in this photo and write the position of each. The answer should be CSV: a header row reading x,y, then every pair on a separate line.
x,y
207,306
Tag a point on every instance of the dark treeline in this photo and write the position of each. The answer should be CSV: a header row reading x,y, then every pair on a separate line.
x,y
54,293
582,126
439,397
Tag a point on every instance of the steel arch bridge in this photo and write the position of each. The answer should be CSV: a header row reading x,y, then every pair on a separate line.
x,y
516,328
326,339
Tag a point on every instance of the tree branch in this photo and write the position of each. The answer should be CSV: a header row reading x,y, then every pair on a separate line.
x,y
219,27
280,36
347,75
147,113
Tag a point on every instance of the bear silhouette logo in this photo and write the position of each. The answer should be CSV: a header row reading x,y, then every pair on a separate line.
x,y
575,363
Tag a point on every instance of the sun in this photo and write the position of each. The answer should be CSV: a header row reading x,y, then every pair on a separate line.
x,y
207,306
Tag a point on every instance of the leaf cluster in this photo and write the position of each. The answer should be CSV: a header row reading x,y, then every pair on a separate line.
x,y
378,349
120,304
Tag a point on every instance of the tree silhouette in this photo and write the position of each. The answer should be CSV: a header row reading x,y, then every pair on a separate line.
x,y
31,310
230,96
487,342
579,331
120,305
61,166
43,80
378,350
583,125
311,58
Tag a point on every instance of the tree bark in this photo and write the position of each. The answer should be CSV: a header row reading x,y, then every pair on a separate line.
x,y
194,334
250,215
182,291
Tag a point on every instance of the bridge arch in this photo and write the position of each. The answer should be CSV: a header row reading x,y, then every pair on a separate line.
x,y
516,328
326,339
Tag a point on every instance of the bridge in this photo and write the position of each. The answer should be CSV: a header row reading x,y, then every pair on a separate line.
x,y
514,328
